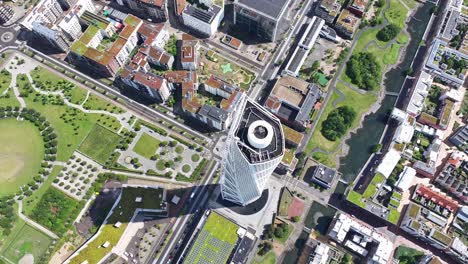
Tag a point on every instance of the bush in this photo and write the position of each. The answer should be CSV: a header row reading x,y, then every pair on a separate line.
x,y
388,32
338,122
296,219
186,168
364,71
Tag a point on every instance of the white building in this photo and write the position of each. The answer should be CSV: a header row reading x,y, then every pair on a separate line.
x,y
254,147
304,46
361,239
421,90
203,21
389,162
405,179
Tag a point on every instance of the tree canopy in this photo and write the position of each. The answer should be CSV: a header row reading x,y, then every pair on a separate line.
x,y
388,32
338,122
364,71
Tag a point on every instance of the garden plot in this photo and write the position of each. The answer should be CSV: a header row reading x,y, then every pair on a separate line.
x,y
159,155
77,176
217,65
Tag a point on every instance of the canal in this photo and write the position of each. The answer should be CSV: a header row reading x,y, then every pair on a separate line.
x,y
361,143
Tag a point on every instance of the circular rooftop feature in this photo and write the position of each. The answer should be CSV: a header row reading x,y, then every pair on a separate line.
x,y
260,134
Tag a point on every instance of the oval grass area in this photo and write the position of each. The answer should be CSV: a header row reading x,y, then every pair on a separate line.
x,y
21,154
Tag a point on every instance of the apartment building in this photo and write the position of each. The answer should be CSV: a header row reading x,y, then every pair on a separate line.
x,y
154,10
328,10
149,85
203,20
98,49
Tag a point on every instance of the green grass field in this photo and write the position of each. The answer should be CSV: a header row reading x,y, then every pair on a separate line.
x,y
397,13
21,154
99,144
5,80
62,118
31,201
46,77
214,242
27,241
359,102
146,146
285,201
94,102
269,258
9,99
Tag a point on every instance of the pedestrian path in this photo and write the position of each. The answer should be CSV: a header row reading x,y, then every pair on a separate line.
x,y
34,224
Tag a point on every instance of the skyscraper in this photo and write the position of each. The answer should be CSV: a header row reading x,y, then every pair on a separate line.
x,y
254,147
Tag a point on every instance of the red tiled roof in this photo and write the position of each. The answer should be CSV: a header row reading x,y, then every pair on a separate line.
x,y
188,54
150,80
181,76
437,198
180,6
273,103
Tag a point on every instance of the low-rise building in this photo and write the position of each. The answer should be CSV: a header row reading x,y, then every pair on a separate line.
x,y
405,179
444,63
361,239
328,10
454,176
292,100
358,7
431,228
292,138
388,163
203,20
347,24
323,176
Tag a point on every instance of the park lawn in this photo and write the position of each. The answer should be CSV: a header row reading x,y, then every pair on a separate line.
x,y
146,146
366,37
411,3
27,241
5,80
95,102
269,258
285,201
68,137
391,56
359,102
76,95
406,251
396,13
21,154
325,159
99,144
30,202
10,101
123,212
108,121
48,78
402,38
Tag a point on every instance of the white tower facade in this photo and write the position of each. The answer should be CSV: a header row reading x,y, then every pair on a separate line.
x,y
254,148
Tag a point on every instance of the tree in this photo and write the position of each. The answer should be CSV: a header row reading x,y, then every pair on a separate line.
x,y
296,219
376,148
388,32
338,122
347,259
364,71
